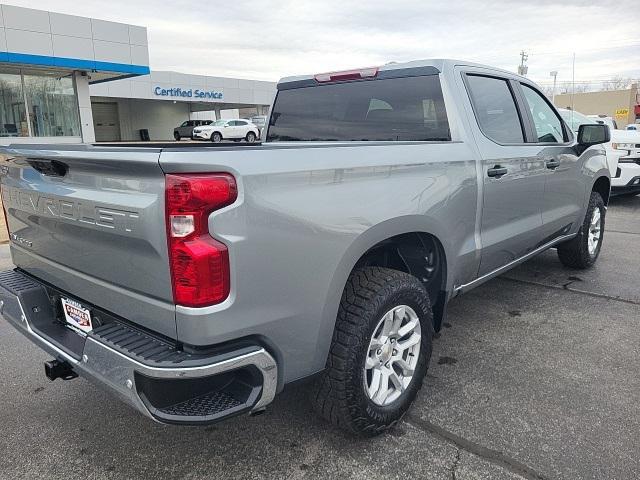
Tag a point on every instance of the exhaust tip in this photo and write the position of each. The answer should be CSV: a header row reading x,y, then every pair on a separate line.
x,y
56,369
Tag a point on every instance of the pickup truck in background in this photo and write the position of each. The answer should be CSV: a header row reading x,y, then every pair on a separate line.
x,y
623,151
196,282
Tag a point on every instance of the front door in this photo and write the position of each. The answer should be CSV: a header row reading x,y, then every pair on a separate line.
x,y
513,176
562,204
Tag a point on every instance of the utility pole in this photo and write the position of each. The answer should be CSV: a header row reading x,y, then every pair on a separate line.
x,y
522,68
554,74
573,80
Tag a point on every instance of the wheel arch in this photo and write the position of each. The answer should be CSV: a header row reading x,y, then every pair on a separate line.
x,y
367,242
602,185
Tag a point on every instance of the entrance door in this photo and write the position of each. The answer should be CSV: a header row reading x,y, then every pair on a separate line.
x,y
106,121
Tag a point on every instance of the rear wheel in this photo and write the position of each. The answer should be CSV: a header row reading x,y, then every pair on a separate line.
x,y
380,351
176,135
216,137
251,137
583,250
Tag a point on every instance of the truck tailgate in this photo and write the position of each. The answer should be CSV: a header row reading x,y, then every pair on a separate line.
x,y
91,221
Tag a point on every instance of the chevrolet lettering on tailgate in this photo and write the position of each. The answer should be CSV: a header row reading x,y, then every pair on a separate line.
x,y
85,211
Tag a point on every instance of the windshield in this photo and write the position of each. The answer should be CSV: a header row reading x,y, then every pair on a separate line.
x,y
219,122
575,119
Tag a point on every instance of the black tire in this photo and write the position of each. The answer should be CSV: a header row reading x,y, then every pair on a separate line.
x,y
176,136
339,394
575,253
216,137
251,137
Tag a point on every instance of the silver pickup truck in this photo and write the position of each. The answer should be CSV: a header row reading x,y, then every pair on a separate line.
x,y
197,281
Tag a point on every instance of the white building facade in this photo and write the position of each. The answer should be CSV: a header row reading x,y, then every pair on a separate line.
x,y
163,100
70,79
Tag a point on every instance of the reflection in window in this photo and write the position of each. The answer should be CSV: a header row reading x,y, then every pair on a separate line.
x,y
495,109
13,119
547,124
53,107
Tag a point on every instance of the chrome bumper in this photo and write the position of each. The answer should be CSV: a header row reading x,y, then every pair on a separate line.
x,y
21,298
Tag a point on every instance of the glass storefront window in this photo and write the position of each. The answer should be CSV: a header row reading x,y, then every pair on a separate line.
x,y
13,118
52,105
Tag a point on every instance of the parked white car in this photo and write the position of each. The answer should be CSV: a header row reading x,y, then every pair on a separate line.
x,y
227,130
606,120
575,119
623,151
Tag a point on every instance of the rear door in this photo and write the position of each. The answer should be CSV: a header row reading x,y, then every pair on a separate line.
x,y
563,198
513,176
233,130
91,221
242,128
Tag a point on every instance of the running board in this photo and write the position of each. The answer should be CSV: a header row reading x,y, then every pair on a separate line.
x,y
488,276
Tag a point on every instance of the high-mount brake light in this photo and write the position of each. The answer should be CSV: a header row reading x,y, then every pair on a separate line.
x,y
356,74
199,264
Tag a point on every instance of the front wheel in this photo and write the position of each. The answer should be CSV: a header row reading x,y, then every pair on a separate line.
x,y
216,137
583,250
251,137
176,136
379,354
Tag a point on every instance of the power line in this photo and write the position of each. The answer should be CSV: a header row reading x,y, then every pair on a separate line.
x,y
587,50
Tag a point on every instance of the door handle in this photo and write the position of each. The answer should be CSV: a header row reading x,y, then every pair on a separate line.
x,y
497,171
553,164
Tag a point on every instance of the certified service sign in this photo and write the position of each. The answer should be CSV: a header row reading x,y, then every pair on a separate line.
x,y
187,93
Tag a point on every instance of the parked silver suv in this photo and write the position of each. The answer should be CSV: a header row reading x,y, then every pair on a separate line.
x,y
196,283
185,130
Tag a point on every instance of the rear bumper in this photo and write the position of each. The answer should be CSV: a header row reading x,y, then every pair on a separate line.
x,y
165,384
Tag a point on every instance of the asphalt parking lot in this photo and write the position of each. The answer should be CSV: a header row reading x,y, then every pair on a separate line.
x,y
535,376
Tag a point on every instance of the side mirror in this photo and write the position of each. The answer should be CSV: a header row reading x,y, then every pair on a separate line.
x,y
593,135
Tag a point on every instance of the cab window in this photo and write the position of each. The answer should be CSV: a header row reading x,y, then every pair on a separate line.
x,y
547,123
495,109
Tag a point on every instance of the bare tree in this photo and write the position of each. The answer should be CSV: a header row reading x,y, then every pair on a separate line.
x,y
570,87
548,91
617,83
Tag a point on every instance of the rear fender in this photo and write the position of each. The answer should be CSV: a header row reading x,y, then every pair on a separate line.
x,y
364,242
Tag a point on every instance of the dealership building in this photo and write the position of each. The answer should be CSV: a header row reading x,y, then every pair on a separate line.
x,y
70,79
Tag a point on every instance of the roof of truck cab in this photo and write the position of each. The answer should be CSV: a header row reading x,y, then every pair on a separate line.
x,y
439,64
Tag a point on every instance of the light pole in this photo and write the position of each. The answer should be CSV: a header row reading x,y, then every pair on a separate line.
x,y
554,74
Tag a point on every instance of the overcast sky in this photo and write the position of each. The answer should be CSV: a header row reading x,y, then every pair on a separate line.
x,y
270,39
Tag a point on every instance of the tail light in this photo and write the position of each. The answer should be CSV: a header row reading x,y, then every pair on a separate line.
x,y
346,75
199,263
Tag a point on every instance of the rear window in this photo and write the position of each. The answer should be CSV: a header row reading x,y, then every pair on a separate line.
x,y
395,109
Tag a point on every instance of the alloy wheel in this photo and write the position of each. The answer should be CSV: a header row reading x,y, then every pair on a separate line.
x,y
595,230
392,356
